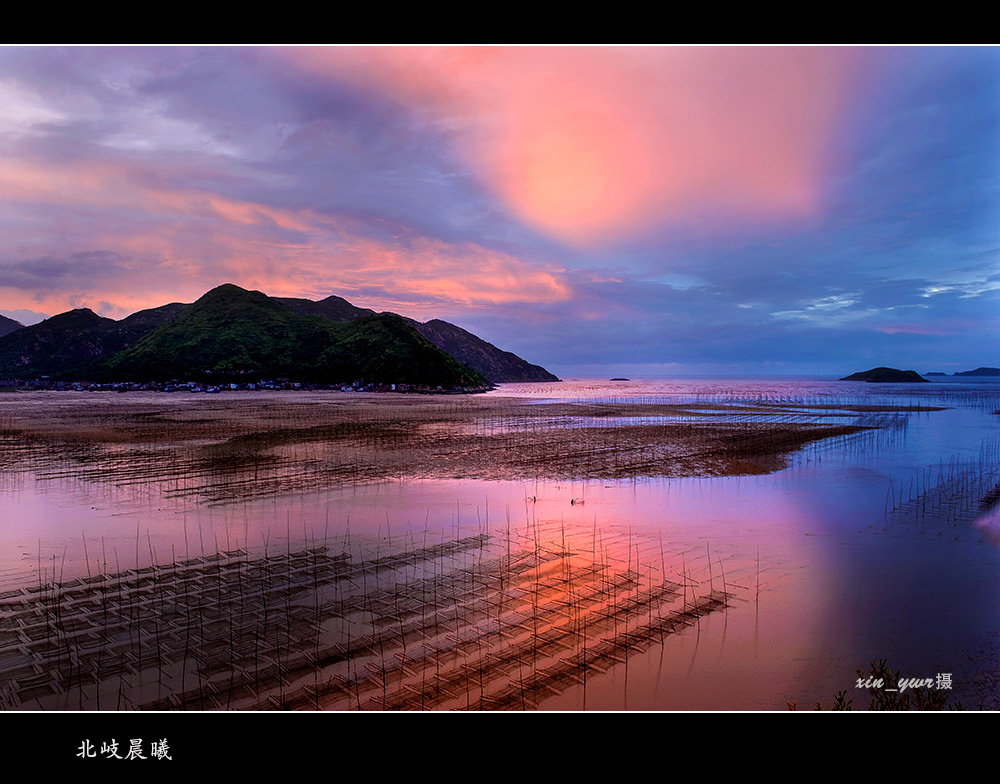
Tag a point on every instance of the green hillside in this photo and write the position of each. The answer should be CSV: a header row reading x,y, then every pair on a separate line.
x,y
63,346
385,349
234,335
231,333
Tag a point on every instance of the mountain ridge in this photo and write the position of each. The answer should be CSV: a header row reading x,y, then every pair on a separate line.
x,y
233,331
8,325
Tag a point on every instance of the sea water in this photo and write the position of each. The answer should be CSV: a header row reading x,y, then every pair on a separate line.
x,y
863,548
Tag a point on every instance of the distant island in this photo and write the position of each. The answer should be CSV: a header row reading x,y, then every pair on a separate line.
x,y
886,375
981,371
234,339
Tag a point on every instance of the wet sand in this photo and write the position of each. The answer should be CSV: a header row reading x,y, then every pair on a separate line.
x,y
245,445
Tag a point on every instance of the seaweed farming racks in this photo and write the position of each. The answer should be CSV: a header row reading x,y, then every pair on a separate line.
x,y
483,622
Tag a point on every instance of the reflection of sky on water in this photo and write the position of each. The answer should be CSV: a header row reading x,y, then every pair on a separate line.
x,y
841,581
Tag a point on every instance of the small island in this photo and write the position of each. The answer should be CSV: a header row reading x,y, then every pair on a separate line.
x,y
885,375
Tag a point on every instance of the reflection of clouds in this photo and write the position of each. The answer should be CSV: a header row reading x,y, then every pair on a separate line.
x,y
989,525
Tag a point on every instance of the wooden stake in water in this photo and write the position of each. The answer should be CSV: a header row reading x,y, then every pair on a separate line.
x,y
711,584
757,597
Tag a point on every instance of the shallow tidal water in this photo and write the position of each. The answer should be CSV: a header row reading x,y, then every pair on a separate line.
x,y
865,547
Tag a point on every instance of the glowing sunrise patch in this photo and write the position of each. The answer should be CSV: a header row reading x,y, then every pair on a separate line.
x,y
562,177
573,173
592,144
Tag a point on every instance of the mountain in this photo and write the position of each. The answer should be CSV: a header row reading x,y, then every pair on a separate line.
x,y
72,344
884,375
143,321
232,332
982,371
66,344
492,363
8,325
333,308
228,330
496,365
385,348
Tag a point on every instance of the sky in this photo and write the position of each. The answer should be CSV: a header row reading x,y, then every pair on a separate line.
x,y
639,211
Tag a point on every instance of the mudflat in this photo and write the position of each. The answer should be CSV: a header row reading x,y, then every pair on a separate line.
x,y
244,445
252,591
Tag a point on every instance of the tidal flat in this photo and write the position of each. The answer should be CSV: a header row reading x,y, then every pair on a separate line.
x,y
249,445
693,549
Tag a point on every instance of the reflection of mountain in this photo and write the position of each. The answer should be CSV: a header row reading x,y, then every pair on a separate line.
x,y
234,332
885,375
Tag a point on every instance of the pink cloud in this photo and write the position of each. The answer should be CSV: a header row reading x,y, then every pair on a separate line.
x,y
586,144
173,244
591,143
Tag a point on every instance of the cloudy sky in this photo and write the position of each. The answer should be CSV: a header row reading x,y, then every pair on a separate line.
x,y
627,211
